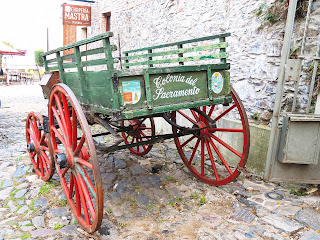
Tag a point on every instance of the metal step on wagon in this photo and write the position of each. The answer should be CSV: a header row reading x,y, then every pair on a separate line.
x,y
167,81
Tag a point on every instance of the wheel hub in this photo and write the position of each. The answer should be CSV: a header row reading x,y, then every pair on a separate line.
x,y
62,160
31,148
201,132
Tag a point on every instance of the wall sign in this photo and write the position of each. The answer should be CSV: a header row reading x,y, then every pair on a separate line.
x,y
76,15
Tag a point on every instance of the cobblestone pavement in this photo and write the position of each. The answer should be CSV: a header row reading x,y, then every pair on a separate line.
x,y
140,204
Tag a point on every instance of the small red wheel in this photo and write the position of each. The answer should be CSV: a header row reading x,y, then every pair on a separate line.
x,y
142,130
39,147
210,153
75,157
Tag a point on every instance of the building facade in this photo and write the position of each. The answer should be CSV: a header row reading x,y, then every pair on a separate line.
x,y
254,46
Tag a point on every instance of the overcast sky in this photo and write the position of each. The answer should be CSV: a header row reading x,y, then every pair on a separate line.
x,y
23,23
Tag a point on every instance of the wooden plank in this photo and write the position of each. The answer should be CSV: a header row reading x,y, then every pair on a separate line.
x,y
180,51
69,56
222,50
80,43
45,61
182,42
52,68
69,65
92,52
94,62
184,59
82,78
53,60
60,66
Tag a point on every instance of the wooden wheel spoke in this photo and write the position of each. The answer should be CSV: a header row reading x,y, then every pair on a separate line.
x,y
88,201
78,201
225,130
85,163
220,156
79,146
44,148
194,151
45,157
226,145
71,187
61,113
64,171
34,138
60,137
74,129
67,116
186,142
83,202
225,112
57,117
187,117
212,161
41,165
196,117
211,110
82,172
202,157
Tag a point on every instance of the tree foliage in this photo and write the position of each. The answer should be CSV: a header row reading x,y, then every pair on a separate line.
x,y
37,57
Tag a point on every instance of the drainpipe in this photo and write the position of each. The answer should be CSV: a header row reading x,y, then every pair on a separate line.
x,y
273,142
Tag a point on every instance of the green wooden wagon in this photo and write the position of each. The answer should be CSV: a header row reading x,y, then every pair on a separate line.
x,y
167,81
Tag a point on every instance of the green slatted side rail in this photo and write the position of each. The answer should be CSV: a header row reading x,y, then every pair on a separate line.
x,y
177,55
53,64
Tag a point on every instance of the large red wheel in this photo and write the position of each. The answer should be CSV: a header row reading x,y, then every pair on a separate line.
x,y
139,130
75,157
215,154
38,146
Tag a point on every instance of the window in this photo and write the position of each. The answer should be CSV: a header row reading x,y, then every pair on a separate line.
x,y
106,21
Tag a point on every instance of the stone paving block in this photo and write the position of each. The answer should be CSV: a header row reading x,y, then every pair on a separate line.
x,y
23,209
38,221
120,164
286,225
244,214
137,170
310,235
58,212
12,207
24,223
309,217
4,194
27,228
7,183
20,171
143,200
41,202
69,231
22,186
20,193
288,210
43,232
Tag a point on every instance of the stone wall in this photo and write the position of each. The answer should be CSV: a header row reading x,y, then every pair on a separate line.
x,y
254,52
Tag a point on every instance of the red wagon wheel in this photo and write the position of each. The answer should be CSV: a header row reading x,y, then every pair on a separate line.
x,y
75,157
38,146
141,128
212,154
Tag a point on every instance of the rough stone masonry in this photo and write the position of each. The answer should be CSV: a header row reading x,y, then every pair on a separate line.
x,y
254,50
